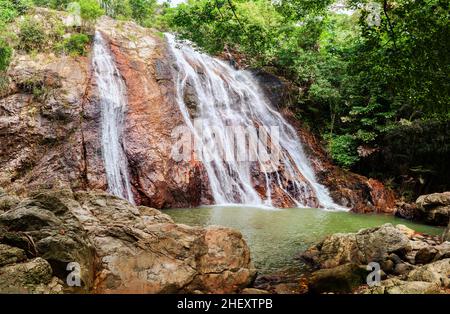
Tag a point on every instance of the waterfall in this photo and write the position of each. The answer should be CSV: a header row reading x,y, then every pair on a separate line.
x,y
227,97
113,102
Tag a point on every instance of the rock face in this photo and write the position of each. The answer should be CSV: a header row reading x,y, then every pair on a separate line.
x,y
120,248
410,262
360,194
50,130
435,208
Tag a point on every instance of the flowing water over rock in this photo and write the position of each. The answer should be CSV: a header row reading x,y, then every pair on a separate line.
x,y
214,97
113,101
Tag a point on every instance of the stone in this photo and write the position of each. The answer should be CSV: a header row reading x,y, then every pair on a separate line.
x,y
436,273
53,233
364,247
25,277
7,202
11,255
402,268
341,279
435,208
122,248
443,251
406,231
253,291
425,255
286,288
397,286
388,266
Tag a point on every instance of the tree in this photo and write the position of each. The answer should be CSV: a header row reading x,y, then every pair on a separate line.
x,y
90,10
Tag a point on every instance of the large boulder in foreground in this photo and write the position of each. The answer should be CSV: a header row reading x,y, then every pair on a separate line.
x,y
435,208
120,248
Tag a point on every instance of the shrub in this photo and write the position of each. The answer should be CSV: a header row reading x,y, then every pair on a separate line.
x,y
90,10
76,44
5,55
343,150
31,35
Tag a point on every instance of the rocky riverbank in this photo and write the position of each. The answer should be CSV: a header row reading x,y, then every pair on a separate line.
x,y
409,262
118,248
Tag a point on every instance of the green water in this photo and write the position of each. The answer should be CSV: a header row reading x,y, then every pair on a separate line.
x,y
276,236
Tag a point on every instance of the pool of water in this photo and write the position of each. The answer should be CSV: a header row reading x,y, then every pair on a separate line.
x,y
275,237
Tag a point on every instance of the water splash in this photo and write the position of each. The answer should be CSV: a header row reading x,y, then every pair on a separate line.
x,y
113,101
224,96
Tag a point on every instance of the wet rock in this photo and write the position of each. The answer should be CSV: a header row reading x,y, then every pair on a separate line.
x,y
340,279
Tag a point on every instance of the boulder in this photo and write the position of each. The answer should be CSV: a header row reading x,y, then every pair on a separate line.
x,y
397,286
142,250
341,279
435,208
11,255
425,255
436,273
364,247
25,277
44,226
119,247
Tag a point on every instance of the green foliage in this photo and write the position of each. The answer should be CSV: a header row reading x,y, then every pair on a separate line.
x,y
357,80
31,35
76,44
53,4
90,10
10,9
343,150
5,55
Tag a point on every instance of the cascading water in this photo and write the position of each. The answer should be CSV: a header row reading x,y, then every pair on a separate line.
x,y
113,102
229,97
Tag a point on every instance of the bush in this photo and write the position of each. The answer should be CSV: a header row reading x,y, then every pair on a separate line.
x,y
343,150
10,9
90,10
76,44
54,4
5,55
31,35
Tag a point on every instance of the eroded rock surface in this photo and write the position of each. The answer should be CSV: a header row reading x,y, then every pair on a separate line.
x,y
409,262
120,248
